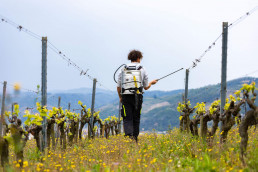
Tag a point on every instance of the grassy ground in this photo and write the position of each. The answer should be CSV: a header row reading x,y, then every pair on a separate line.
x,y
154,152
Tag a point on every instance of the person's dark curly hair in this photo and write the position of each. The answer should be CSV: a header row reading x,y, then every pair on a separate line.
x,y
134,55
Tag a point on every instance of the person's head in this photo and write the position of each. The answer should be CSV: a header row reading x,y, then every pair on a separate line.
x,y
135,56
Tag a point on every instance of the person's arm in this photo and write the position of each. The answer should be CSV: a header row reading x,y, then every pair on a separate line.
x,y
119,93
150,84
145,80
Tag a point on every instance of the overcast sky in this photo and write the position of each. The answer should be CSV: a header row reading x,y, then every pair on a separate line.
x,y
98,35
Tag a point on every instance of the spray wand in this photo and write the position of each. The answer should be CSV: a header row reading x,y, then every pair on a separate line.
x,y
169,74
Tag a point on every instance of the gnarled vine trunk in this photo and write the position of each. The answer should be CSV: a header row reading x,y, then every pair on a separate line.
x,y
228,119
71,132
204,124
50,127
250,118
107,130
194,125
34,130
4,149
76,124
215,118
185,120
62,135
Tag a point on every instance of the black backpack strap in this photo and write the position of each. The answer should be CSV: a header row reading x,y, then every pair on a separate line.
x,y
131,67
139,67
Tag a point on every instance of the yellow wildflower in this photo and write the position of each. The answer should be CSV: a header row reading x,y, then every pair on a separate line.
x,y
25,163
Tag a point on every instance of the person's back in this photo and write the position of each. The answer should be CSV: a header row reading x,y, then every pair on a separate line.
x,y
131,97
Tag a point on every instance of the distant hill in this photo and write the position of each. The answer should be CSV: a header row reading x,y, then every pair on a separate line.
x,y
159,107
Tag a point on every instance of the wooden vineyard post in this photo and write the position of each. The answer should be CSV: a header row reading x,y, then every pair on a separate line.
x,y
44,90
92,107
57,132
59,102
57,127
186,84
69,106
2,109
224,68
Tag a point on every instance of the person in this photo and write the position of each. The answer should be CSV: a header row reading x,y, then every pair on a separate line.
x,y
132,100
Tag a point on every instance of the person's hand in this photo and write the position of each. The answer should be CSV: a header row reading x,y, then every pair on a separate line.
x,y
120,99
153,82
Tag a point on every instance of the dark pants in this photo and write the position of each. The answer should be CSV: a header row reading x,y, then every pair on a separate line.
x,y
131,114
